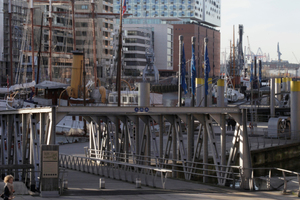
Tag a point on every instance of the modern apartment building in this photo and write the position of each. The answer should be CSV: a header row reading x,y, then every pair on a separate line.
x,y
19,14
188,18
103,34
141,38
62,38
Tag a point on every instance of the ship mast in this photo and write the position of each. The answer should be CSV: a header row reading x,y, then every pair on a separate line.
x,y
118,81
233,47
10,43
32,39
73,25
94,40
50,41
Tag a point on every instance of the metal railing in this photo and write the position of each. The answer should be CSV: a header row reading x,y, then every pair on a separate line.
x,y
231,176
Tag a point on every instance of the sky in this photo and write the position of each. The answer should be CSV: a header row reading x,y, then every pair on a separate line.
x,y
266,22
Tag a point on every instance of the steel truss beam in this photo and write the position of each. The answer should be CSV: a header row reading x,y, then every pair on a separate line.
x,y
115,135
22,133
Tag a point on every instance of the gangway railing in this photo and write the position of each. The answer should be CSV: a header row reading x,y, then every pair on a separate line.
x,y
260,179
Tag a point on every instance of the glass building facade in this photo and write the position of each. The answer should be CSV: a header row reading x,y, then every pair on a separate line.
x,y
199,10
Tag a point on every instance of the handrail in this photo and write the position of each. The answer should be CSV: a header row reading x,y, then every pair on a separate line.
x,y
234,174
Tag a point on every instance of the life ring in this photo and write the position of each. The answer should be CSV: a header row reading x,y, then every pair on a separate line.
x,y
250,126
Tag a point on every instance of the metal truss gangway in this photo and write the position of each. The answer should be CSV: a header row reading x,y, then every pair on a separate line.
x,y
141,136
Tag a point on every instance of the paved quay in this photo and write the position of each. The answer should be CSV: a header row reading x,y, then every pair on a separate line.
x,y
86,186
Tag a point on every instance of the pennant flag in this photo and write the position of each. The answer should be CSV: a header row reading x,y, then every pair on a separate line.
x,y
124,7
193,70
206,69
183,71
251,72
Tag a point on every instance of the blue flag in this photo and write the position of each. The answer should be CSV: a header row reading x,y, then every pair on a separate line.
x,y
193,70
183,71
251,72
206,69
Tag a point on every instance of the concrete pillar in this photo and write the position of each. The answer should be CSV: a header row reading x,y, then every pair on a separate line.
x,y
272,97
144,94
200,92
288,82
209,96
245,157
295,108
144,101
220,96
284,84
278,87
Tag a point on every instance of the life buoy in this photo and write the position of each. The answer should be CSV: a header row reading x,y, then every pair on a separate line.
x,y
250,126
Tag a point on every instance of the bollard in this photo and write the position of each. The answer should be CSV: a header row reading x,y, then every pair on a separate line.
x,y
138,183
102,183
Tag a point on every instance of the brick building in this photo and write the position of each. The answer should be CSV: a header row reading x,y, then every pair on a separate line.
x,y
200,32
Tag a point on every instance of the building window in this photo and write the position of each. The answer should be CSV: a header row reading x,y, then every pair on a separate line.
x,y
124,99
131,99
84,7
111,99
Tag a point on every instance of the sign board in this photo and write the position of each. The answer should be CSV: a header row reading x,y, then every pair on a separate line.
x,y
141,109
50,164
49,177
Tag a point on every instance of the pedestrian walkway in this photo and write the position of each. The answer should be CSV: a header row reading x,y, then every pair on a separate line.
x,y
86,186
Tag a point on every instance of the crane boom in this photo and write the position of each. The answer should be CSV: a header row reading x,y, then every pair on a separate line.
x,y
296,58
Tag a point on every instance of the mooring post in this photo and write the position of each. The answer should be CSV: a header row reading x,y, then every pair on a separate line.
x,y
245,157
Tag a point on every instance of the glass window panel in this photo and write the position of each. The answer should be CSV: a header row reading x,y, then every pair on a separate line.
x,y
169,51
164,13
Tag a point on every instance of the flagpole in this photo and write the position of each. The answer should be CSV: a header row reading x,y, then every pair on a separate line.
x,y
193,40
205,66
179,70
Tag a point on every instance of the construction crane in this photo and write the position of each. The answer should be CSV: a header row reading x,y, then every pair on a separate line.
x,y
296,58
278,52
250,53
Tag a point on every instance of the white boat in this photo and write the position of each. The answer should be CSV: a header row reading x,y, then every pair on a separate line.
x,y
233,95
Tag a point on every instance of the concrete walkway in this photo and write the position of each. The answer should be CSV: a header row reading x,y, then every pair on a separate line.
x,y
86,186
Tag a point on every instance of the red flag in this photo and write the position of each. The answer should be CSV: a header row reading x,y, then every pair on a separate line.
x,y
124,7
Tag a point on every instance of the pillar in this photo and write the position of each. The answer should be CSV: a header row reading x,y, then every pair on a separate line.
x,y
272,97
200,92
245,156
220,91
209,96
284,84
295,108
288,83
144,94
278,88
